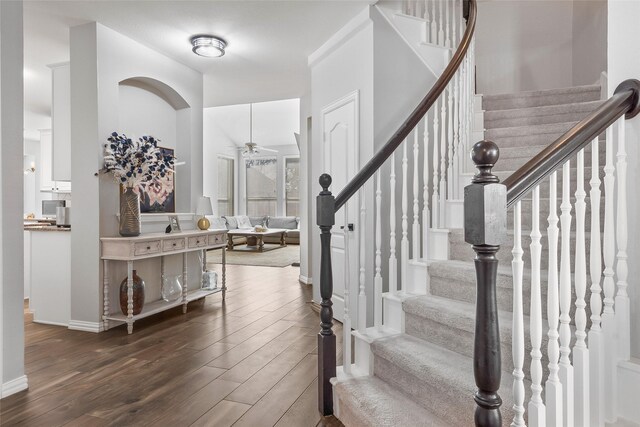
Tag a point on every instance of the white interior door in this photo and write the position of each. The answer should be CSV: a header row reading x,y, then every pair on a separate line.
x,y
340,139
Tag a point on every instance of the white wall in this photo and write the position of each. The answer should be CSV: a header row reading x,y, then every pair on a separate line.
x,y
589,48
307,225
523,45
100,59
347,67
624,63
12,373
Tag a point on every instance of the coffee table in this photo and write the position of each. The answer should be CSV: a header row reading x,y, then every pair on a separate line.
x,y
251,234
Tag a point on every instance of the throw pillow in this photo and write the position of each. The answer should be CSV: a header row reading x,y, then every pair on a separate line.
x,y
231,221
258,220
217,223
243,221
283,222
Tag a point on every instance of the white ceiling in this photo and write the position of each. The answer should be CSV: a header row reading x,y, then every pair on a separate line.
x,y
268,41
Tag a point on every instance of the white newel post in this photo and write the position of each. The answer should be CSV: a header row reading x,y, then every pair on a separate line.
x,y
517,343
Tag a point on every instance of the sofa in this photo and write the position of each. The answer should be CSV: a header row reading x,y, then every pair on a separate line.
x,y
290,223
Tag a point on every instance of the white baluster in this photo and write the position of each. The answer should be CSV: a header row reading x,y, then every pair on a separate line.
x,y
393,261
425,189
435,195
463,117
441,26
443,162
566,369
580,351
415,230
537,416
623,315
553,386
608,285
454,23
450,140
517,342
433,38
447,41
377,281
346,322
404,242
456,137
427,19
596,372
362,296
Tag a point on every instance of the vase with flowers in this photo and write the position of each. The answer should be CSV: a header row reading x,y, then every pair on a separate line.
x,y
135,163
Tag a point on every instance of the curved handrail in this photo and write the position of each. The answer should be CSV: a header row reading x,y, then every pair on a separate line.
x,y
418,113
625,100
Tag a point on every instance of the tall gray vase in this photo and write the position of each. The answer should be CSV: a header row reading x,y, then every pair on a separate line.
x,y
129,213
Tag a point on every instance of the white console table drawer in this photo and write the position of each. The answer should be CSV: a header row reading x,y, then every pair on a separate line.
x,y
146,248
197,242
216,239
173,245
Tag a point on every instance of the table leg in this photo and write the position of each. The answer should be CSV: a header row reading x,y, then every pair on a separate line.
x,y
260,243
224,273
185,283
204,260
105,294
230,244
283,241
129,297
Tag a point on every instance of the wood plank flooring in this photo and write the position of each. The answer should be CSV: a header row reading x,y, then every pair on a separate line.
x,y
251,361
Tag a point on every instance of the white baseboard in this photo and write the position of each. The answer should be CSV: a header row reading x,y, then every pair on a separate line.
x,y
14,386
629,390
80,325
305,280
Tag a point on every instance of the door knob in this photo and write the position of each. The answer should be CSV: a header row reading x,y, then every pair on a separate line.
x,y
350,227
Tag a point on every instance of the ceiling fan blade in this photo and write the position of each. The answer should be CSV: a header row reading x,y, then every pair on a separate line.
x,y
260,147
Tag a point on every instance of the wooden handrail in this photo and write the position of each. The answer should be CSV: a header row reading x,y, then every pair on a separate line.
x,y
625,100
418,113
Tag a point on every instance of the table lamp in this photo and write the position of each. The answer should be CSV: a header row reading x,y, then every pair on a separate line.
x,y
204,208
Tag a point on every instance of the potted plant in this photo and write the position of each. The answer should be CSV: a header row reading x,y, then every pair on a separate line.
x,y
135,163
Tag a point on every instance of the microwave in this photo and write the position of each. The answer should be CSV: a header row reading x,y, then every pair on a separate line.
x,y
49,207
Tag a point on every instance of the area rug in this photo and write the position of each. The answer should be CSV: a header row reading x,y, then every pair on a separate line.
x,y
281,257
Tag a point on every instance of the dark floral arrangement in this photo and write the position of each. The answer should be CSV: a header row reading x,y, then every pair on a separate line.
x,y
136,163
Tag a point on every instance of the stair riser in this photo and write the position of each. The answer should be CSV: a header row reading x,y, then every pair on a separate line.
x,y
528,131
519,160
533,120
491,103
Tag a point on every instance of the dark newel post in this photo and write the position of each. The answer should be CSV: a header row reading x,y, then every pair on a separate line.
x,y
325,204
485,228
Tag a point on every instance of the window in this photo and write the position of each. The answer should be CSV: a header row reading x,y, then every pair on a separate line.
x,y
261,186
225,186
292,186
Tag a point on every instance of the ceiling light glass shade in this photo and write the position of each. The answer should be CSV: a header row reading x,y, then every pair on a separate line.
x,y
208,46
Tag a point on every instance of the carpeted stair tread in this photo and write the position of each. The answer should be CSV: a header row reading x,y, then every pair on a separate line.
x,y
541,97
432,375
515,131
369,401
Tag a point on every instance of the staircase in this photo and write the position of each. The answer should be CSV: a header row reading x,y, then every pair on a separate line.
x,y
425,375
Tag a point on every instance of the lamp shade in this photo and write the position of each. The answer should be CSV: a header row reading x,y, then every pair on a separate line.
x,y
204,206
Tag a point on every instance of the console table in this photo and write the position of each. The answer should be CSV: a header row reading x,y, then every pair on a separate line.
x,y
152,245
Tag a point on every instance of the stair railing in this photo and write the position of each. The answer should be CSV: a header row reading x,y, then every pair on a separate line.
x,y
445,133
580,391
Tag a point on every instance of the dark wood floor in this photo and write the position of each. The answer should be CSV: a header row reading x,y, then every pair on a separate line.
x,y
248,362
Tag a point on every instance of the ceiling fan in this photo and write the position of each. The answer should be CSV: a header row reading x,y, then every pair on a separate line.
x,y
250,148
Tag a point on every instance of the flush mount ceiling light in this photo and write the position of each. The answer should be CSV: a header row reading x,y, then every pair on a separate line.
x,y
208,46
